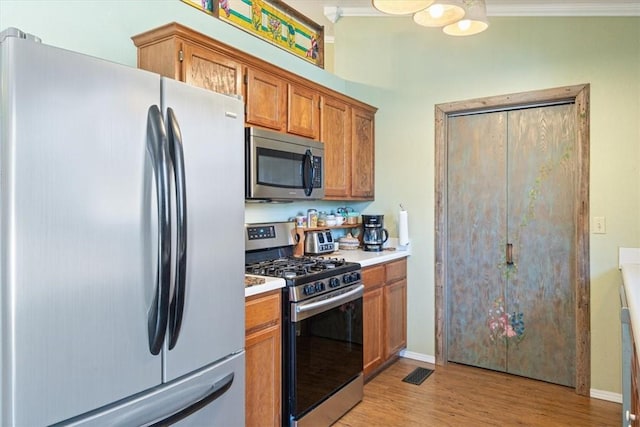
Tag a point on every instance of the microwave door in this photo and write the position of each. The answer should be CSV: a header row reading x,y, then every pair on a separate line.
x,y
281,167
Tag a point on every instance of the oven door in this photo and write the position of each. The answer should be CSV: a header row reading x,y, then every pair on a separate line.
x,y
325,347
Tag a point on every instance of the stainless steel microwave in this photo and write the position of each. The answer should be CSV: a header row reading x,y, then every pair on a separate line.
x,y
282,167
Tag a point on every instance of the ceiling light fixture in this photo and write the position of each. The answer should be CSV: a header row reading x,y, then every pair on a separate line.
x,y
441,13
475,20
456,17
401,7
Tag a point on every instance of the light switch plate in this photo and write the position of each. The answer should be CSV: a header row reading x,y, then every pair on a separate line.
x,y
599,225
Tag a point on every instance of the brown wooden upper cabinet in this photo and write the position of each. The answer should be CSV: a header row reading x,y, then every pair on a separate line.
x,y
178,57
362,154
266,100
303,111
275,99
336,135
210,70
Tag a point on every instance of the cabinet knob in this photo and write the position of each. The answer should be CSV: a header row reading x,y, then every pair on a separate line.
x,y
630,416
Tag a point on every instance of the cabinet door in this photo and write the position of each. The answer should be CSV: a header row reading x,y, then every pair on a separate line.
x,y
372,312
266,100
362,154
263,360
263,377
395,310
303,111
210,70
336,135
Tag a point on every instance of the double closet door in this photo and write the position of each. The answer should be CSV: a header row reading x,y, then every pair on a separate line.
x,y
511,194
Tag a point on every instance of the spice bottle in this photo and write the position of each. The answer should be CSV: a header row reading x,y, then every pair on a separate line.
x,y
312,218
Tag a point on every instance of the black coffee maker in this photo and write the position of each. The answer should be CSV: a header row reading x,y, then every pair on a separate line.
x,y
374,234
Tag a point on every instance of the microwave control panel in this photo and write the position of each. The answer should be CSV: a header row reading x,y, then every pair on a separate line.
x,y
317,176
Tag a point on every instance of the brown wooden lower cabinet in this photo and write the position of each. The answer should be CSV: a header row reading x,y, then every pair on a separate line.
x,y
263,359
384,313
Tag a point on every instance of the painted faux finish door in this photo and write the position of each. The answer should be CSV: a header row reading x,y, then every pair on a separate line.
x,y
511,232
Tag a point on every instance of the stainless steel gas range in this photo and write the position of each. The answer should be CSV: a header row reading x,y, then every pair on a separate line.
x,y
322,325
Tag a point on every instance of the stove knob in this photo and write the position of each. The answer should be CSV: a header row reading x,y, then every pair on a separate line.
x,y
334,282
346,278
309,290
355,276
319,286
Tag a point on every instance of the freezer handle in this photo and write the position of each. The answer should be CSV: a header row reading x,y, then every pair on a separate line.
x,y
218,389
157,148
176,308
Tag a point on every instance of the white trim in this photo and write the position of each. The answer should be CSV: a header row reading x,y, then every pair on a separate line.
x,y
329,39
418,356
567,8
605,395
333,13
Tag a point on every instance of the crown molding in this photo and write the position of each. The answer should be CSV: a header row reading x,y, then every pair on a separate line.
x,y
614,8
567,8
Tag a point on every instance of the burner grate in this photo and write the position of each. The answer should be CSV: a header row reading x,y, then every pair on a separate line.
x,y
292,267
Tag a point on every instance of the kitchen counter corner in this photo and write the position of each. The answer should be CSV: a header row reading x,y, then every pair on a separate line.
x,y
367,259
270,283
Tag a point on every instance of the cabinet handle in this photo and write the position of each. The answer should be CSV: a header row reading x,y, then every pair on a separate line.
x,y
509,255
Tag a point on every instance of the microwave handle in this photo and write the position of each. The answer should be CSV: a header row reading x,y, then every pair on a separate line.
x,y
308,173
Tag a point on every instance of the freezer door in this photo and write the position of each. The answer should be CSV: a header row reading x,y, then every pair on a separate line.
x,y
211,127
77,252
211,397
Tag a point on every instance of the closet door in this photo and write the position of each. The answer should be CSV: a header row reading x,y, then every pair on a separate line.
x,y
476,227
541,228
511,187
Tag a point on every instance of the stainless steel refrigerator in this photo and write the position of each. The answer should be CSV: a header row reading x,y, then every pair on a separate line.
x,y
121,256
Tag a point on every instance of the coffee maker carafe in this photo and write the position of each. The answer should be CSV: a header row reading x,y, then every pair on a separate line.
x,y
374,234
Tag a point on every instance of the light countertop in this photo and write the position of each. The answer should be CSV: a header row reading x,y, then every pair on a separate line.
x,y
367,259
270,284
631,282
629,263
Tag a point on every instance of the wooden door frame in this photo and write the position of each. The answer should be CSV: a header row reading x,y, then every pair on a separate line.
x,y
578,94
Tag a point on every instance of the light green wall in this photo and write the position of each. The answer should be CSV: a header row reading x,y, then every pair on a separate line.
x,y
405,70
103,28
416,68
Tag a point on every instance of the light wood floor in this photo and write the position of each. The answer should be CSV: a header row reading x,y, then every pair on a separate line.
x,y
458,395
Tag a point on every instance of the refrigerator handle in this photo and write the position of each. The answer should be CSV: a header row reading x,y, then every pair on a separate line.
x,y
157,148
218,389
176,308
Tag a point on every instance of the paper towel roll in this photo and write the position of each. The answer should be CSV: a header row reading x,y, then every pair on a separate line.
x,y
403,228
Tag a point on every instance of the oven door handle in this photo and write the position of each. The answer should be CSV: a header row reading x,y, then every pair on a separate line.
x,y
327,304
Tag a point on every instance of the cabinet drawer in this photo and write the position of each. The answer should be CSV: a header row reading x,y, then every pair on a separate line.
x,y
396,270
372,277
262,311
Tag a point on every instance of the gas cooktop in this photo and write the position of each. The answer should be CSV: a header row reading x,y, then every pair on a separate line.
x,y
291,267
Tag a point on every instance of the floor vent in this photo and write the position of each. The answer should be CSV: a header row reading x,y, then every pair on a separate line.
x,y
418,376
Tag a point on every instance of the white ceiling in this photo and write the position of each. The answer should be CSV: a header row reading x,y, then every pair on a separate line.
x,y
326,12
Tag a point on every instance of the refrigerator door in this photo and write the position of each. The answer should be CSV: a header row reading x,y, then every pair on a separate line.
x,y
77,226
212,129
213,396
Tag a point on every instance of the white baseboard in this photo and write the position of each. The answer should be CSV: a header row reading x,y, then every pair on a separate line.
x,y
606,395
596,394
418,356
